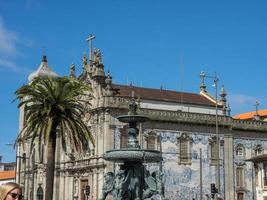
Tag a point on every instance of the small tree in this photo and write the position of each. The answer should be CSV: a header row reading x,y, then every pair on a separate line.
x,y
53,108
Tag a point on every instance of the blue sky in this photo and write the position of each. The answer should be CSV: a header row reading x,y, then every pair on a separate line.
x,y
146,42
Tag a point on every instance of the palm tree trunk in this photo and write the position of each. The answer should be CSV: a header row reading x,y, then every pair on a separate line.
x,y
50,167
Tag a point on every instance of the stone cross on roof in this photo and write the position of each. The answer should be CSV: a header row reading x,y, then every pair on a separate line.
x,y
90,42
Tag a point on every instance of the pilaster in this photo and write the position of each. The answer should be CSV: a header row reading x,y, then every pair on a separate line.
x,y
229,163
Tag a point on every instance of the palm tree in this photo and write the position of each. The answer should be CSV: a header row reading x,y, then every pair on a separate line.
x,y
54,108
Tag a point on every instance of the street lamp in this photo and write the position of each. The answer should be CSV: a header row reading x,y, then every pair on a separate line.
x,y
215,81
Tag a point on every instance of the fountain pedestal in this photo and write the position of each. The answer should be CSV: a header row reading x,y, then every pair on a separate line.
x,y
132,181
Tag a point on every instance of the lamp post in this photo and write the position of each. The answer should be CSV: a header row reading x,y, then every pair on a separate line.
x,y
215,81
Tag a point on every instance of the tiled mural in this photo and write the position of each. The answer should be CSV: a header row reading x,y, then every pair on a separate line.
x,y
182,181
249,146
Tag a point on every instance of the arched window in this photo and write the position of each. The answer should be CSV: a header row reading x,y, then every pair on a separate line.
x,y
258,150
40,193
239,151
185,144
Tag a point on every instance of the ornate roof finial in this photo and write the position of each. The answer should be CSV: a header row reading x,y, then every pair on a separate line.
x,y
257,116
228,110
72,70
161,87
108,84
202,86
223,100
44,59
223,94
108,80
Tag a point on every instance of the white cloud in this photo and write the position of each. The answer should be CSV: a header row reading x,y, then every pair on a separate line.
x,y
241,103
32,4
9,43
241,99
9,65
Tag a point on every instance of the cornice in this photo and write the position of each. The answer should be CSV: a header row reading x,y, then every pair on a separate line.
x,y
117,103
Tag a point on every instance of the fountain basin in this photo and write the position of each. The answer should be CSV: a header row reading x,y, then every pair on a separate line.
x,y
130,155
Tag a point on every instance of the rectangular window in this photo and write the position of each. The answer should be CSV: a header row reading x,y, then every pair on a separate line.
x,y
239,177
123,142
184,154
213,153
151,142
83,185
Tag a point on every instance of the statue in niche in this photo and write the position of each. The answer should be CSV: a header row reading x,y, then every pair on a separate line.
x,y
97,57
154,185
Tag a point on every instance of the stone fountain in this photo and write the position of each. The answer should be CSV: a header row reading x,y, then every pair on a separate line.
x,y
132,181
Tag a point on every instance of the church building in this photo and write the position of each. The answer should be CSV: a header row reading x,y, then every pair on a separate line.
x,y
201,143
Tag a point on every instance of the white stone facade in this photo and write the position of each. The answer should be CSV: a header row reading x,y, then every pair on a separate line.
x,y
169,121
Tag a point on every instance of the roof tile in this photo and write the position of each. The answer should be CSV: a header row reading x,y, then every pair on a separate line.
x,y
162,95
7,175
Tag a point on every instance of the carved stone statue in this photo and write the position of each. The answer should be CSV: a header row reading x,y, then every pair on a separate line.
x,y
72,70
97,57
120,186
154,185
132,107
124,186
84,60
108,185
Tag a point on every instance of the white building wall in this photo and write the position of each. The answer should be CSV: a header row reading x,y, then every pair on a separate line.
x,y
168,106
